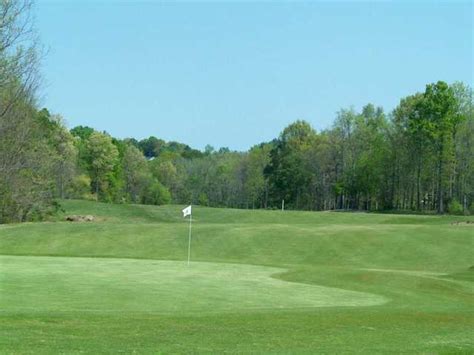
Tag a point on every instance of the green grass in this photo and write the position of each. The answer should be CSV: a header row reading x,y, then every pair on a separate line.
x,y
160,287
260,281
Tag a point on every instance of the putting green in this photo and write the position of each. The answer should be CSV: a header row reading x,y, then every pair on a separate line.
x,y
61,284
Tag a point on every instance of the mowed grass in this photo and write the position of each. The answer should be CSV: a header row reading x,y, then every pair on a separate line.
x,y
161,287
260,281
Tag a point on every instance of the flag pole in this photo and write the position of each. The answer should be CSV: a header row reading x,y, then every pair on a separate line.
x,y
189,242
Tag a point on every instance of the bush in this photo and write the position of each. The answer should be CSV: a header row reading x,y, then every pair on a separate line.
x,y
40,213
156,194
203,199
455,207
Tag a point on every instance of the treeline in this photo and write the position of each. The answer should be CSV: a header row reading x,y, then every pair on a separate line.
x,y
419,157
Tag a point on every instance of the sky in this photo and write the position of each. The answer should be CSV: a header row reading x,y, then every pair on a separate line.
x,y
234,74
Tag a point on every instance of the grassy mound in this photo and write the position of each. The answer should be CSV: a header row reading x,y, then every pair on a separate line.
x,y
252,237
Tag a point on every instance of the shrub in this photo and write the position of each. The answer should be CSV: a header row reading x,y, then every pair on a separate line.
x,y
455,207
203,199
156,194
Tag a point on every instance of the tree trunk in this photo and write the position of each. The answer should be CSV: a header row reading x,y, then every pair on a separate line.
x,y
418,187
440,183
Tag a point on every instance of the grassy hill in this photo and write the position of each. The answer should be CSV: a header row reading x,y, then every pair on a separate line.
x,y
260,281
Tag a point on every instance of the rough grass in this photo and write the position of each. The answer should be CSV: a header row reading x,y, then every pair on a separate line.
x,y
265,281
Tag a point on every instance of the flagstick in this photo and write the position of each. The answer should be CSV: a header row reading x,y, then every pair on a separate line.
x,y
189,243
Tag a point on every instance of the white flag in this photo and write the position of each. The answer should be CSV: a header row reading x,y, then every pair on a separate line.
x,y
187,211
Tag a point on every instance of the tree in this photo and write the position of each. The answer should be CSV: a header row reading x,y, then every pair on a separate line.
x,y
288,172
369,137
102,156
256,184
136,173
26,166
18,54
438,110
26,177
462,181
65,163
343,139
83,132
63,144
164,170
151,146
410,121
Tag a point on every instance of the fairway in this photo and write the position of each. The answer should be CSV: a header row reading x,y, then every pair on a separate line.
x,y
259,281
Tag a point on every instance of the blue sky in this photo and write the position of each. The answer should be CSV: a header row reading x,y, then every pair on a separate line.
x,y
234,74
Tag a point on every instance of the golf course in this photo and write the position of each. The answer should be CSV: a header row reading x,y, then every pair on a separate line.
x,y
236,177
258,281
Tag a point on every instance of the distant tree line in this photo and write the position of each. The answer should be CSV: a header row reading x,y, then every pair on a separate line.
x,y
419,157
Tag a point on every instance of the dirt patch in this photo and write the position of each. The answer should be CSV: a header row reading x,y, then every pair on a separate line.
x,y
77,218
462,223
